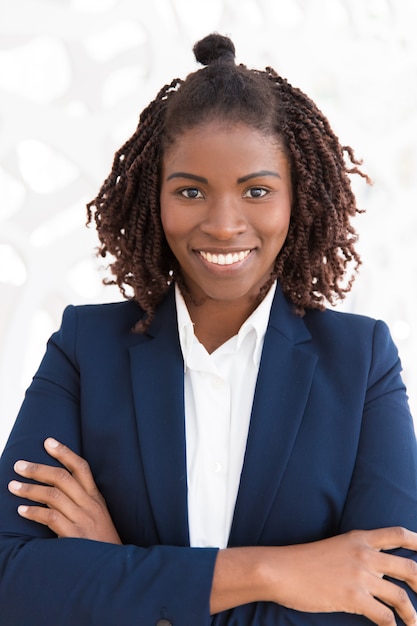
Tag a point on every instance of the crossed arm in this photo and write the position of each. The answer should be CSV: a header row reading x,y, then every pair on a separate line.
x,y
346,573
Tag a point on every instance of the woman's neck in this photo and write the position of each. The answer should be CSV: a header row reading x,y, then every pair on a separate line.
x,y
216,322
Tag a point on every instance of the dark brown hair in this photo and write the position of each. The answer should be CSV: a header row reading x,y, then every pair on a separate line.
x,y
318,261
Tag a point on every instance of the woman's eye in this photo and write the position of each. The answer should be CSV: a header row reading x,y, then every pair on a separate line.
x,y
255,192
191,193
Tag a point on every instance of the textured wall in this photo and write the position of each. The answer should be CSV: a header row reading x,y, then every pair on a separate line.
x,y
74,75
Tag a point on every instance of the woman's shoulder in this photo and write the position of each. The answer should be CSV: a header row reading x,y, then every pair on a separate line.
x,y
349,332
85,328
339,319
119,313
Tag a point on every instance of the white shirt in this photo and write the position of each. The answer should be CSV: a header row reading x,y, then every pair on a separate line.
x,y
218,389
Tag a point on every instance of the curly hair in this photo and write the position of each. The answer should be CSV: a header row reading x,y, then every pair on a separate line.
x,y
318,260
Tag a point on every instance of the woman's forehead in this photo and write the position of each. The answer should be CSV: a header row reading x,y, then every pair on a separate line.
x,y
212,128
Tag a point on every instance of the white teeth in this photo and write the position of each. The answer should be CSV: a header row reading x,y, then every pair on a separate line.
x,y
225,259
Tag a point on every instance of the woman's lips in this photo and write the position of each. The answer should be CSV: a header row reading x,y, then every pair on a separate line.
x,y
224,259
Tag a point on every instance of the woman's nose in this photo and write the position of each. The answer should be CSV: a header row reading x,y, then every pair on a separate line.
x,y
224,219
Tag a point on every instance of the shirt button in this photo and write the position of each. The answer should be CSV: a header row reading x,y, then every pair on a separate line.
x,y
163,622
217,467
217,383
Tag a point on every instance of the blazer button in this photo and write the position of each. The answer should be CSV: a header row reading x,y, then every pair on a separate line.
x,y
163,622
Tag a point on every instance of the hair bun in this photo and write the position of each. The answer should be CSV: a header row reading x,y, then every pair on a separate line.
x,y
214,48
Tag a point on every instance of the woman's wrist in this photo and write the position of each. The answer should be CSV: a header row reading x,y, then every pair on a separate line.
x,y
240,576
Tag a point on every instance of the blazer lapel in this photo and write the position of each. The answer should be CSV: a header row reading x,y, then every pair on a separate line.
x,y
283,385
158,388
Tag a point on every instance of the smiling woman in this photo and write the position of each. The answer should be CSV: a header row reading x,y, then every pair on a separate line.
x,y
227,233
127,208
221,449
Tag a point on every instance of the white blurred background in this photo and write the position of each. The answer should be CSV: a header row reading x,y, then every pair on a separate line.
x,y
74,75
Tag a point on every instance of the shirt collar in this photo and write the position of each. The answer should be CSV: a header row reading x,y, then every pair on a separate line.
x,y
185,326
257,322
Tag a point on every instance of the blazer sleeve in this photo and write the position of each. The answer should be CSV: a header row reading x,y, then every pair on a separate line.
x,y
383,487
45,580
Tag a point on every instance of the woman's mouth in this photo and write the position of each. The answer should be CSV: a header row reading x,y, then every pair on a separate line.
x,y
224,259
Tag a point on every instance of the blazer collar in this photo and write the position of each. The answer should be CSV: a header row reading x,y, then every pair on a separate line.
x,y
283,385
157,372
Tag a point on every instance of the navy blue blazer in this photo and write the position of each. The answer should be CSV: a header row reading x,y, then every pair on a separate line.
x,y
331,448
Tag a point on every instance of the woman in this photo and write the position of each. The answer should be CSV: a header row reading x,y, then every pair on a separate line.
x,y
242,453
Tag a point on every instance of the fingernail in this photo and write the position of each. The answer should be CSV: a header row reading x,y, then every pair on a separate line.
x,y
22,509
20,466
51,442
14,485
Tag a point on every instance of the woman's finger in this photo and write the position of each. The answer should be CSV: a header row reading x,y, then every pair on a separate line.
x,y
63,516
58,523
398,567
78,466
397,598
69,492
58,477
391,538
377,612
46,494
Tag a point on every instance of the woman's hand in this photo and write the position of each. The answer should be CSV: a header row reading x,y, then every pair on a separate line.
x,y
344,573
74,505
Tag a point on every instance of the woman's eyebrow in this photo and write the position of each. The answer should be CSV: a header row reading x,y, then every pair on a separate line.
x,y
199,179
243,179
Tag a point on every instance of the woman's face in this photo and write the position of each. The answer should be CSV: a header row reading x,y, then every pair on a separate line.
x,y
225,208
